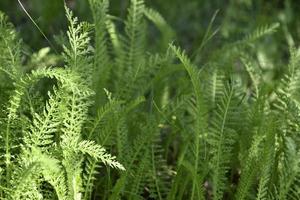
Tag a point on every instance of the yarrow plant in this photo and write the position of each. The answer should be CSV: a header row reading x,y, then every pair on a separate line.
x,y
117,116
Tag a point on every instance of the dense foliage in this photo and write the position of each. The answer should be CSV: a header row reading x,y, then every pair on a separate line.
x,y
120,111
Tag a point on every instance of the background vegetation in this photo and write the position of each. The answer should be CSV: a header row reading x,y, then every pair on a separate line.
x,y
160,99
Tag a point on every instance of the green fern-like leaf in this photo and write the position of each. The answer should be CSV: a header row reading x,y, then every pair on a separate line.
x,y
200,123
222,140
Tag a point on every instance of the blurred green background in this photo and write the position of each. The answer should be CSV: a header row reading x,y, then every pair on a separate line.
x,y
189,19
